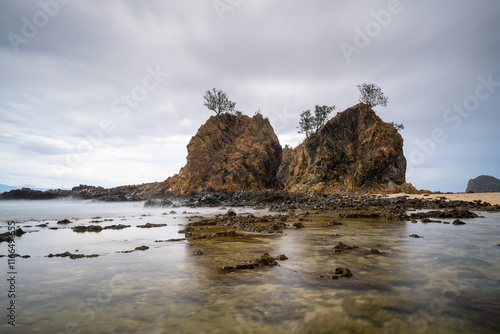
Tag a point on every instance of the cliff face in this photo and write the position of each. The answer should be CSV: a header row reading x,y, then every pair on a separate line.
x,y
355,151
231,153
483,183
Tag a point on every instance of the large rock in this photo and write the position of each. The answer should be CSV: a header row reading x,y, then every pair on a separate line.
x,y
483,183
354,152
230,152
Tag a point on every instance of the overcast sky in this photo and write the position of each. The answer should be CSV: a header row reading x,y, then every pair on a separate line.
x,y
110,92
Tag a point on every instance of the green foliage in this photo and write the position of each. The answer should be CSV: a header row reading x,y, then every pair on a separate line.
x,y
321,115
238,113
217,101
265,137
372,95
245,155
308,122
397,126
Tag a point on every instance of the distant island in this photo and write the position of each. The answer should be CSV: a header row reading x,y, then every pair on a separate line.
x,y
483,183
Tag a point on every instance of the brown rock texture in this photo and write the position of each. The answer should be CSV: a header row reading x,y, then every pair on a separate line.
x,y
353,152
230,152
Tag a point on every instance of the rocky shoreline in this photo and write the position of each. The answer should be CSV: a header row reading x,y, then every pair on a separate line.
x,y
375,206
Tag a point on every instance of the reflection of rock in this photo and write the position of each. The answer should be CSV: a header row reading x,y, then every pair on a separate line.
x,y
454,213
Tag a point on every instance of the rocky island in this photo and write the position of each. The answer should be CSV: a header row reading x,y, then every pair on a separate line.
x,y
354,152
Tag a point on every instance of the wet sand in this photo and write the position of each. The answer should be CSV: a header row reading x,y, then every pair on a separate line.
x,y
492,198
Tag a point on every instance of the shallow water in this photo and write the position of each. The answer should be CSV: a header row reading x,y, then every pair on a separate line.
x,y
446,282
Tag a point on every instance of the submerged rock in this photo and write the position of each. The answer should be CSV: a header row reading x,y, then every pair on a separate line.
x,y
72,256
340,247
150,225
458,222
265,260
333,223
91,228
298,225
342,272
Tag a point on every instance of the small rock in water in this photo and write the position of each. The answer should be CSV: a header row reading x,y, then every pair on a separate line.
x,y
333,223
415,236
342,272
64,221
458,222
198,252
230,213
298,225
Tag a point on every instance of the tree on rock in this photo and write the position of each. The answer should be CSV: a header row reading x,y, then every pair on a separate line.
x,y
217,101
321,115
372,95
309,123
306,123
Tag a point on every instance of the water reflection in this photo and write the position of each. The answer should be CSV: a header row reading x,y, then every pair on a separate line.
x,y
444,282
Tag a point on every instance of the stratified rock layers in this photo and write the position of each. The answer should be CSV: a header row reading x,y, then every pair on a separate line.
x,y
230,152
354,152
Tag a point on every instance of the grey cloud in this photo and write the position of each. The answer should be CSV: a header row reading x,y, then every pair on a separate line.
x,y
282,57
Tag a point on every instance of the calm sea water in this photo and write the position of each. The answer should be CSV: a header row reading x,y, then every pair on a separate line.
x,y
446,282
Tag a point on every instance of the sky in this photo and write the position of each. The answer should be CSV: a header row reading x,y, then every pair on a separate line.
x,y
109,93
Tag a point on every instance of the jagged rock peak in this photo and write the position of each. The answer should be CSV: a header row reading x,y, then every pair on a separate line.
x,y
230,152
354,152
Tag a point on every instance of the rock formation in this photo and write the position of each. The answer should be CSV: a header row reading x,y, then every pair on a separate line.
x,y
230,152
355,152
483,183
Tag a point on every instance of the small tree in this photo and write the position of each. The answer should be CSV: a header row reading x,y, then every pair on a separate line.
x,y
397,126
372,95
306,123
217,101
321,115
